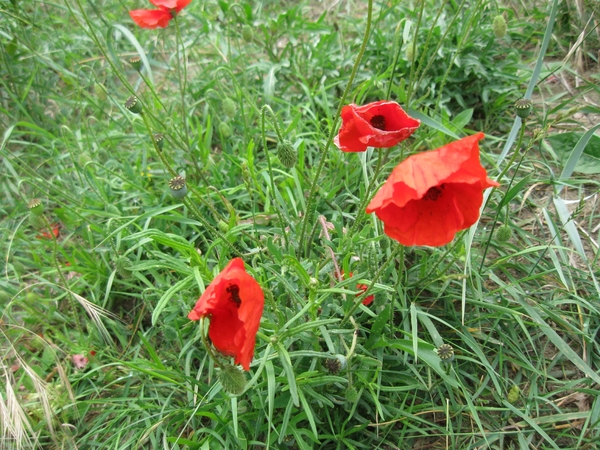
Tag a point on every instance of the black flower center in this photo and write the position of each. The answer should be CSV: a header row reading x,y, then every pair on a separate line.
x,y
234,294
434,193
378,122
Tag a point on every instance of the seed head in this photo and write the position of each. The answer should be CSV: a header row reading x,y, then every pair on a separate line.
x,y
133,105
36,207
159,140
523,107
136,63
446,353
178,187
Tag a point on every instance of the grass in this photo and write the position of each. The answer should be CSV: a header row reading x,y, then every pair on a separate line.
x,y
129,261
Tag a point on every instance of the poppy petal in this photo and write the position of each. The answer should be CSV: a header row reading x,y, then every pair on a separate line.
x,y
151,18
234,301
431,196
379,124
177,5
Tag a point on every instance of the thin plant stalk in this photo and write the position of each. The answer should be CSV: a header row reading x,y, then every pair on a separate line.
x,y
314,186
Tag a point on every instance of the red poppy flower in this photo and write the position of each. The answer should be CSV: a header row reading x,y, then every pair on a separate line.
x,y
47,235
234,302
158,18
431,196
361,287
379,124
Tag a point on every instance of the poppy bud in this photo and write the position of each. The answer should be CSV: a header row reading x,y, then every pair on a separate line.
x,y
287,154
499,26
504,233
446,353
513,394
136,63
523,107
159,140
351,394
410,52
100,91
224,130
133,105
223,226
36,207
232,379
247,33
229,107
83,159
122,265
178,187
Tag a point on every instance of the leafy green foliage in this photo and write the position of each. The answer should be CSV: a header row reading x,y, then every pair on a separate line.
x,y
97,350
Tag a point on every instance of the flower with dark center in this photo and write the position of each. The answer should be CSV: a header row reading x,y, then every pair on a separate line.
x,y
158,18
379,124
431,196
234,302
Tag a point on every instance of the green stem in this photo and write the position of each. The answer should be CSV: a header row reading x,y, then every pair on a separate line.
x,y
382,269
207,345
182,76
61,275
367,197
271,177
196,212
506,168
314,187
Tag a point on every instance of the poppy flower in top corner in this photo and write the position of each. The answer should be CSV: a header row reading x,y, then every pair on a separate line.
x,y
158,18
234,302
380,124
431,196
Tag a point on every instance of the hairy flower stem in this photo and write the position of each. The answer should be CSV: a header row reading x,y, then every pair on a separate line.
x,y
506,168
263,110
170,169
367,197
207,345
182,76
399,249
73,304
198,215
315,183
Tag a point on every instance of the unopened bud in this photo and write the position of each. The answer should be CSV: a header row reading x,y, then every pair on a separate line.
x,y
224,130
410,51
499,26
247,33
232,379
504,233
287,154
351,394
229,107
